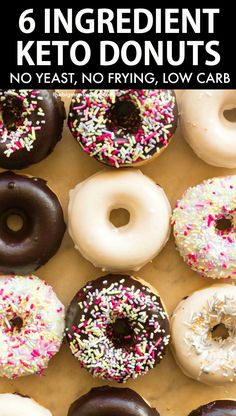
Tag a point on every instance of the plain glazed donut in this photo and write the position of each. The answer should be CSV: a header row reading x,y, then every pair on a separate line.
x,y
123,127
18,405
117,327
204,227
31,325
27,249
107,401
31,123
203,331
205,122
129,247
223,407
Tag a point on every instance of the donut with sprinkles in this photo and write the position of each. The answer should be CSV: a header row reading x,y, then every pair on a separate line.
x,y
117,327
123,127
31,123
31,325
204,222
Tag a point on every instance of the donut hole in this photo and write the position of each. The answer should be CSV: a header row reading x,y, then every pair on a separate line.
x,y
11,111
16,323
125,114
119,217
224,224
121,333
15,226
230,114
15,222
219,332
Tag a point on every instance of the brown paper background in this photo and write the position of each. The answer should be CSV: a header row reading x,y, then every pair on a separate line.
x,y
165,387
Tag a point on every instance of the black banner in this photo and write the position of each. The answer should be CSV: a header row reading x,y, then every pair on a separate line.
x,y
118,47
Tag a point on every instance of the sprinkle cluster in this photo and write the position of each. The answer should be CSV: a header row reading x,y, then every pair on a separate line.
x,y
97,309
32,325
89,123
23,131
216,355
205,248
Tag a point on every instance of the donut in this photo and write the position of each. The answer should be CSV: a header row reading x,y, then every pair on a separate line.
x,y
207,121
204,227
217,408
31,325
107,401
40,236
203,331
31,123
117,327
18,405
128,247
123,127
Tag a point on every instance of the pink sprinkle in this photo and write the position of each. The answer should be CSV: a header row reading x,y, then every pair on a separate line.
x,y
150,136
210,219
137,349
79,107
35,353
192,257
158,342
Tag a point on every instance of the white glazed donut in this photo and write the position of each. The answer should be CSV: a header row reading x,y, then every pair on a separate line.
x,y
16,405
200,355
210,134
129,247
204,227
31,325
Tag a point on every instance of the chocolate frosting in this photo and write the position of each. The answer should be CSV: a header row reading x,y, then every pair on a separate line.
x,y
111,401
47,136
77,315
43,228
216,408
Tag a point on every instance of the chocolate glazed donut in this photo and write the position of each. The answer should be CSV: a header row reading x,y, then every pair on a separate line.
x,y
111,401
28,248
216,408
117,327
31,123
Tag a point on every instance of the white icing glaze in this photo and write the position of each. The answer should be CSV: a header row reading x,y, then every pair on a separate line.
x,y
15,405
27,349
199,355
129,247
211,136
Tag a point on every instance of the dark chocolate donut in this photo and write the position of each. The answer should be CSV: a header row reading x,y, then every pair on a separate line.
x,y
111,401
31,123
25,250
123,127
216,408
117,327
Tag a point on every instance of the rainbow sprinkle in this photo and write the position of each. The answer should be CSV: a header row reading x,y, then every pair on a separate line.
x,y
91,125
94,310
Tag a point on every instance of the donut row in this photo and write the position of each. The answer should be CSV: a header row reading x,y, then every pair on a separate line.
x,y
105,401
117,327
119,128
204,223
